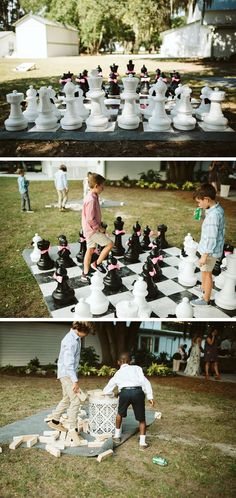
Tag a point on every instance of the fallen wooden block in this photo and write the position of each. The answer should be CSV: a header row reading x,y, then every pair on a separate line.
x,y
25,437
63,435
52,433
103,437
31,442
52,450
95,444
59,444
15,443
105,454
47,439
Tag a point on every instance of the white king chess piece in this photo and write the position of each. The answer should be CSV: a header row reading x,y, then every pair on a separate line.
x,y
16,120
129,119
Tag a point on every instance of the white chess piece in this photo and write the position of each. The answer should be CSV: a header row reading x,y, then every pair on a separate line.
x,y
215,120
97,300
70,120
127,309
82,309
187,240
82,112
184,120
36,253
159,121
178,92
184,309
140,292
204,108
52,96
149,109
96,121
226,298
129,119
46,119
31,112
220,279
16,120
187,275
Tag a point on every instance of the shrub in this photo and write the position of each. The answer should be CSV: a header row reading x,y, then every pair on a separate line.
x,y
33,365
143,358
89,356
172,186
188,186
105,371
86,369
151,176
160,370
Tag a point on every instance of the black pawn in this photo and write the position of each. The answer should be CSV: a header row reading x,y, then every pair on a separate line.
x,y
145,242
83,248
114,69
63,295
161,236
45,262
158,273
64,253
132,253
155,253
137,232
118,249
112,279
130,68
147,274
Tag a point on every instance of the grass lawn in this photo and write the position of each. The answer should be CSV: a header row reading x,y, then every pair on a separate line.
x,y
196,435
21,296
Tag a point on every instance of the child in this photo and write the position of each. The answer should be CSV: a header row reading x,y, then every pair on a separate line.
x,y
212,238
67,366
23,185
60,180
92,227
132,386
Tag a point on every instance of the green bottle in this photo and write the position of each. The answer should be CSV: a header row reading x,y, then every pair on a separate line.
x,y
159,461
198,214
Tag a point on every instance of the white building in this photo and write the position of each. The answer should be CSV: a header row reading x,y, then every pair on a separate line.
x,y
38,37
7,43
215,37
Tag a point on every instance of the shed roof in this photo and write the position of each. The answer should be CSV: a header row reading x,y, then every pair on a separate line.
x,y
44,20
6,33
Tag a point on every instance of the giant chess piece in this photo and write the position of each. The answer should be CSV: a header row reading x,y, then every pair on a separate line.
x,y
130,68
147,273
184,120
184,309
161,238
129,119
156,255
159,121
215,120
144,85
52,96
145,242
31,112
137,230
45,262
70,120
64,79
204,107
46,119
82,83
158,74
178,91
82,309
187,276
81,110
132,253
112,279
220,279
114,89
97,300
83,248
16,120
126,309
150,103
118,249
175,81
187,240
96,121
158,272
227,249
140,292
35,254
63,295
64,258
226,298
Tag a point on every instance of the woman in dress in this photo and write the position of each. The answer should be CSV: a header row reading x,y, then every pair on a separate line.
x,y
193,363
210,354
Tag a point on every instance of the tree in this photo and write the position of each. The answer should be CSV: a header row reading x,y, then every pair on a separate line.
x,y
10,12
115,338
180,171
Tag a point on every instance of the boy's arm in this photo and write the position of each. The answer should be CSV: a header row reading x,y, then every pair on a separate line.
x,y
90,216
110,386
69,360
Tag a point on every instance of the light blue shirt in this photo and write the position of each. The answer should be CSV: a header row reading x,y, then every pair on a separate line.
x,y
213,231
60,180
69,356
22,184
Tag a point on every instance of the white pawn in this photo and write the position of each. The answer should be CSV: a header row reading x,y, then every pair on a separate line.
x,y
31,112
70,120
82,309
36,253
46,119
184,120
184,309
97,300
129,119
178,92
16,120
96,121
226,298
52,96
187,275
127,309
204,108
159,121
215,120
82,112
140,292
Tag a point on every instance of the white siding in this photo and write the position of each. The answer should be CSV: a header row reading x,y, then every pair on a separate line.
x,y
31,39
76,170
192,40
61,41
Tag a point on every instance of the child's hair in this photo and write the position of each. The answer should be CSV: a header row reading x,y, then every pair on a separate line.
x,y
95,179
124,357
19,171
82,326
63,167
205,190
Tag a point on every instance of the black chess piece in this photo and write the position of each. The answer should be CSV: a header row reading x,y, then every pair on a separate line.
x,y
64,79
113,89
175,81
148,273
158,273
130,68
132,253
114,69
64,253
63,295
161,236
228,249
45,262
118,249
157,254
158,74
99,70
137,231
145,242
112,279
83,248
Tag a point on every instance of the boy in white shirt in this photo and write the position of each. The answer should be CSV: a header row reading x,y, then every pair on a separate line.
x,y
61,184
132,386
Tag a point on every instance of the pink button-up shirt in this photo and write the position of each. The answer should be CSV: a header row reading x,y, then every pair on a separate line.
x,y
91,215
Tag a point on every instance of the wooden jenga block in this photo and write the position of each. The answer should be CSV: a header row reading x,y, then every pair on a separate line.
x,y
86,426
46,439
103,437
63,436
15,443
52,450
105,454
31,442
52,433
59,444
82,395
25,437
95,444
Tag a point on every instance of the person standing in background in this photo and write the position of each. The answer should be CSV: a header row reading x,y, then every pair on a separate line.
x,y
210,354
61,184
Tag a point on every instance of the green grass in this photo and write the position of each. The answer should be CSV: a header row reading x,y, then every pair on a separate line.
x,y
21,296
191,409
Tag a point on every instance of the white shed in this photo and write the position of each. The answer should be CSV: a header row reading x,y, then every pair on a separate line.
x,y
7,43
38,37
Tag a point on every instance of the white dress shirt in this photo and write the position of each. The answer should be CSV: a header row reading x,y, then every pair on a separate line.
x,y
69,356
60,180
129,376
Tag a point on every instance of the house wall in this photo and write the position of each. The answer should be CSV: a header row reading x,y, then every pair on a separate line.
x,y
192,40
7,44
61,41
224,42
76,170
31,39
116,170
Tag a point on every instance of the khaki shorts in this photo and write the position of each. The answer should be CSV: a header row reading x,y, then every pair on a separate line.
x,y
98,238
209,265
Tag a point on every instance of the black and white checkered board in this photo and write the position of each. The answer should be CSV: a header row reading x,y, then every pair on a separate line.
x,y
170,291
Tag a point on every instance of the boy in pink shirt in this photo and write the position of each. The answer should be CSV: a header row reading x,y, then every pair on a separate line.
x,y
92,227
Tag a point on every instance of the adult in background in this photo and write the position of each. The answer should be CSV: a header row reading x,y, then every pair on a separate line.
x,y
61,184
213,175
210,354
193,362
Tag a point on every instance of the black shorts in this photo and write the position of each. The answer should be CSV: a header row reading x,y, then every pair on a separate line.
x,y
134,397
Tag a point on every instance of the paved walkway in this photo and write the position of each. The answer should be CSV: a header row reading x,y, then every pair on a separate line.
x,y
225,377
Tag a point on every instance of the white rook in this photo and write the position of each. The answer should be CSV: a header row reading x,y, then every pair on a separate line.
x,y
16,120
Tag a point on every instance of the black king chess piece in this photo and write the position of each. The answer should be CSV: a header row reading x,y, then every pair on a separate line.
x,y
63,295
45,262
118,249
64,253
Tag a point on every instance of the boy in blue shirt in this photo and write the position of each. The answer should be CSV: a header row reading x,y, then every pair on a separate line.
x,y
211,243
23,185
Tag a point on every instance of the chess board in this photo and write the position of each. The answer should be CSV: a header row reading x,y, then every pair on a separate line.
x,y
114,132
170,291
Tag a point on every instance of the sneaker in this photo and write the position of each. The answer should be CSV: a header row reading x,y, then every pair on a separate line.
x,y
116,440
29,211
199,302
55,424
143,447
97,267
85,278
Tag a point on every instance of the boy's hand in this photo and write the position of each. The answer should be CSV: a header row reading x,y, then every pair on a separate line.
x,y
102,230
151,401
202,260
75,387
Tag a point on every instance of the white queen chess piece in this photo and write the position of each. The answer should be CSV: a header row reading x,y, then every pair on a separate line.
x,y
226,298
97,121
159,121
70,120
129,119
215,120
97,300
16,120
31,112
46,119
184,120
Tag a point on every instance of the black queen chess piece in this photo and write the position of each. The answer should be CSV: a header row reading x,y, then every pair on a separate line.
x,y
45,262
118,249
82,249
112,280
63,295
64,253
